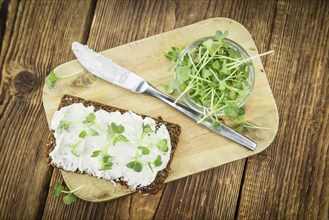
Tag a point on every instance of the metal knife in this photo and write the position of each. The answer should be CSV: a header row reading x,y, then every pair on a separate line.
x,y
106,69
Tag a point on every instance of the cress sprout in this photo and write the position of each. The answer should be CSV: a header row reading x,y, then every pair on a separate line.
x,y
69,198
114,135
52,78
214,76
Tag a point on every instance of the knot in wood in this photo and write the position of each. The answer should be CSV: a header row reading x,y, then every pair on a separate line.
x,y
24,82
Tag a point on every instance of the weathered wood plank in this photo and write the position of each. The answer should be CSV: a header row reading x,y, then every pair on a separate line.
x,y
290,179
33,43
218,188
7,18
115,23
119,22
209,195
146,57
286,181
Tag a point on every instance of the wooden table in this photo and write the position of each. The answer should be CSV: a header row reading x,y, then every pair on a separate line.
x,y
289,180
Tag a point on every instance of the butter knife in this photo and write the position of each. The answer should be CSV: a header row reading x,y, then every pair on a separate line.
x,y
107,70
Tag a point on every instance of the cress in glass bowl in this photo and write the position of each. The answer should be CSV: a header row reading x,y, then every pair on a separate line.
x,y
215,76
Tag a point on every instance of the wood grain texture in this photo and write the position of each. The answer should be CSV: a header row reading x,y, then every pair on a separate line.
x,y
287,181
257,17
103,19
207,195
128,207
290,179
198,149
30,47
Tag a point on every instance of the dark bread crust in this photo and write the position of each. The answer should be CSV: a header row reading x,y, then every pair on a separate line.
x,y
173,129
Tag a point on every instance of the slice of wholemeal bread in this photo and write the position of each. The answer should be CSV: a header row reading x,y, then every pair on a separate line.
x,y
174,131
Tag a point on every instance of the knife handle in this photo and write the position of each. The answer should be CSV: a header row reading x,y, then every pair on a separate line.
x,y
224,130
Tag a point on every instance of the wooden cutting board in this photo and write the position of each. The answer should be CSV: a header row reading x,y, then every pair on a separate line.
x,y
198,148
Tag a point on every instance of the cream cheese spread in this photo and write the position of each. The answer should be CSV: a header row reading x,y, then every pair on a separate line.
x,y
112,146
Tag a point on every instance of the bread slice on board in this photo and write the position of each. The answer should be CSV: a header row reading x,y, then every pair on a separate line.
x,y
173,129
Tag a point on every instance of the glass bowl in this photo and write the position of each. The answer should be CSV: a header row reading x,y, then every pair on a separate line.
x,y
251,79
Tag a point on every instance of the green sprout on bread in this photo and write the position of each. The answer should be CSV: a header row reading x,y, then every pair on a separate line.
x,y
64,126
157,162
147,130
114,135
82,135
135,164
163,145
89,121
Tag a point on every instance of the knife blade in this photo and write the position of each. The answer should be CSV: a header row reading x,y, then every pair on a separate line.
x,y
108,70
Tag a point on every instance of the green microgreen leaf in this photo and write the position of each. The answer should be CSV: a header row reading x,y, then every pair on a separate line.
x,y
121,138
216,65
51,79
64,125
96,153
115,140
106,166
163,145
183,73
150,166
220,36
214,75
106,163
171,86
135,165
83,134
145,150
93,132
205,73
105,158
239,128
90,118
231,111
110,130
208,44
73,148
240,117
222,86
173,54
233,53
131,164
224,68
69,199
216,124
58,189
233,95
120,129
116,129
243,94
146,128
74,152
157,162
